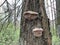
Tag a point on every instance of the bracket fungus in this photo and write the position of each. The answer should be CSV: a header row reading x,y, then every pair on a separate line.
x,y
30,15
37,32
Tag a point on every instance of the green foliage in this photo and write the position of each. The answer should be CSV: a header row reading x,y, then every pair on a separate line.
x,y
9,36
55,40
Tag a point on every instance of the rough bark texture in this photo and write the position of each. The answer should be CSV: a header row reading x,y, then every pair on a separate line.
x,y
27,37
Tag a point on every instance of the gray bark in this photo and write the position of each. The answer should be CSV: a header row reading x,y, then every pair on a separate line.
x,y
27,26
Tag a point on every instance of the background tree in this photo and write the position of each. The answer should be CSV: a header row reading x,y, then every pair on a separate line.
x,y
9,23
58,17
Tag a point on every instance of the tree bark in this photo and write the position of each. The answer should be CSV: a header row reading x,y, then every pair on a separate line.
x,y
26,35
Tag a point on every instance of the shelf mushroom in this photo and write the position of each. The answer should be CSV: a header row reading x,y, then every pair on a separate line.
x,y
30,15
37,32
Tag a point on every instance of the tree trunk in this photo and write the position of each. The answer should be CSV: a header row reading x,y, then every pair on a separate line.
x,y
26,35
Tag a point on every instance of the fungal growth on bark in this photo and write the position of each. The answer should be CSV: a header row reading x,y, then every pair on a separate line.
x,y
34,24
30,15
37,32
